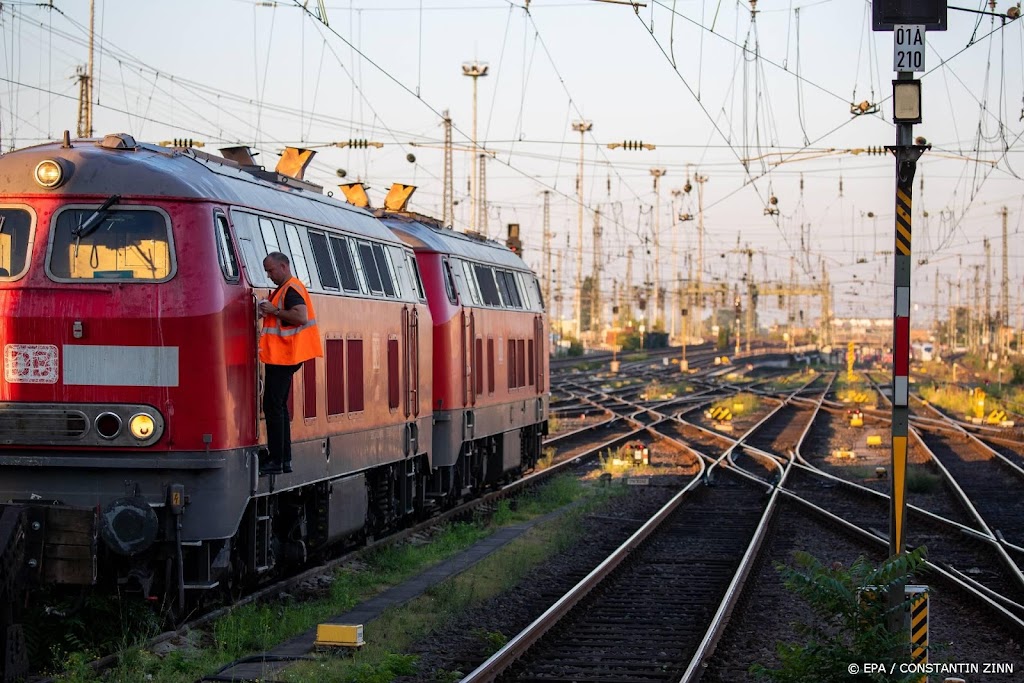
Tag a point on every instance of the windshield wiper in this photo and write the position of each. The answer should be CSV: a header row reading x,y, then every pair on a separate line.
x,y
93,221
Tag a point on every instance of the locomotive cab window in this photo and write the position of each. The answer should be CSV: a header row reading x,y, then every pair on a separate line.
x,y
414,270
225,253
115,244
250,243
15,232
449,283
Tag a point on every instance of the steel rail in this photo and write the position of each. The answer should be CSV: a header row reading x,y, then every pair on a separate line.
x,y
732,594
514,648
1011,619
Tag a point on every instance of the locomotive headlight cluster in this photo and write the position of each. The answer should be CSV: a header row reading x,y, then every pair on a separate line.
x,y
142,426
49,173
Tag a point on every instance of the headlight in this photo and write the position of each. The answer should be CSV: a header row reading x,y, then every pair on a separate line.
x,y
49,173
108,425
142,426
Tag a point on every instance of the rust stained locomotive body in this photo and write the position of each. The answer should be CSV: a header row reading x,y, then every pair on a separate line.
x,y
130,422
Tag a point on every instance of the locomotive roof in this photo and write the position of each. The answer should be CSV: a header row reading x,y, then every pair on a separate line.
x,y
423,235
99,168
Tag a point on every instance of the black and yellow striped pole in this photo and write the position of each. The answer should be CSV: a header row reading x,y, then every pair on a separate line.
x,y
917,596
907,112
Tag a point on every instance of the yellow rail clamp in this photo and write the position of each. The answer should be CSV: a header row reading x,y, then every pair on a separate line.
x,y
996,417
874,440
857,420
339,635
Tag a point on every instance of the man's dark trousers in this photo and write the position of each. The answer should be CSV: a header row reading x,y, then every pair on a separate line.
x,y
277,384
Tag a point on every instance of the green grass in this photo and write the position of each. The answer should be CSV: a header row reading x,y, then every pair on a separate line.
x,y
741,404
547,458
954,400
396,631
791,381
256,628
920,480
850,391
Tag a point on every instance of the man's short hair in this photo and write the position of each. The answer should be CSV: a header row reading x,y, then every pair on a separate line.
x,y
279,257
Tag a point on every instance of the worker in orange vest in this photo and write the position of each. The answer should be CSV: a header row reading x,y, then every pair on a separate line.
x,y
290,338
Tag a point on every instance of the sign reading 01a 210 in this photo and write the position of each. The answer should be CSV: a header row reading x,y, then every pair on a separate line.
x,y
908,47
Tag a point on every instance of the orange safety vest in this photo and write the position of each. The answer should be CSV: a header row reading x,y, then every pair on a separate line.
x,y
290,345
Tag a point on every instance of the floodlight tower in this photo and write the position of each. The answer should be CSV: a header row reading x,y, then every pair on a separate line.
x,y
474,70
583,127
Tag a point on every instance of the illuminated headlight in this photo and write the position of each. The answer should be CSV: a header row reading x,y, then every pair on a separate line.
x,y
142,426
49,173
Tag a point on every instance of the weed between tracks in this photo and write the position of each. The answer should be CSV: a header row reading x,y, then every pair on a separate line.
x,y
257,628
400,628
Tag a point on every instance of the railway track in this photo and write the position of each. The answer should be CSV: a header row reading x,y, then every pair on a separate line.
x,y
695,569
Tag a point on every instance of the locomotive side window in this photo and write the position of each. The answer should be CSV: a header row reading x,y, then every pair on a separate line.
x,y
509,293
250,243
414,269
15,231
269,235
506,298
488,288
474,291
116,244
343,257
383,270
369,267
298,256
524,291
225,254
322,259
535,291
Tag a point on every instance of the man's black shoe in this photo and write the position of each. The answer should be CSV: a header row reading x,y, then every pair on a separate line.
x,y
286,468
271,468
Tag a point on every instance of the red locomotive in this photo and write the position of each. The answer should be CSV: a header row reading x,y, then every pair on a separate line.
x,y
130,425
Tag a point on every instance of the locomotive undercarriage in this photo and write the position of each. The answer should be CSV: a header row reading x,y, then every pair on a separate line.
x,y
487,462
286,529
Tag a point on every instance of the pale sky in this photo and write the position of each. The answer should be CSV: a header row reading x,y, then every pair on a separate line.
x,y
709,87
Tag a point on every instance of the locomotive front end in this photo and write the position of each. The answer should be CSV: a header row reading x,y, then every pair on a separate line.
x,y
115,406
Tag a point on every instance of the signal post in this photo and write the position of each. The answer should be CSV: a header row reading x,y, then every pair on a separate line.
x,y
908,20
